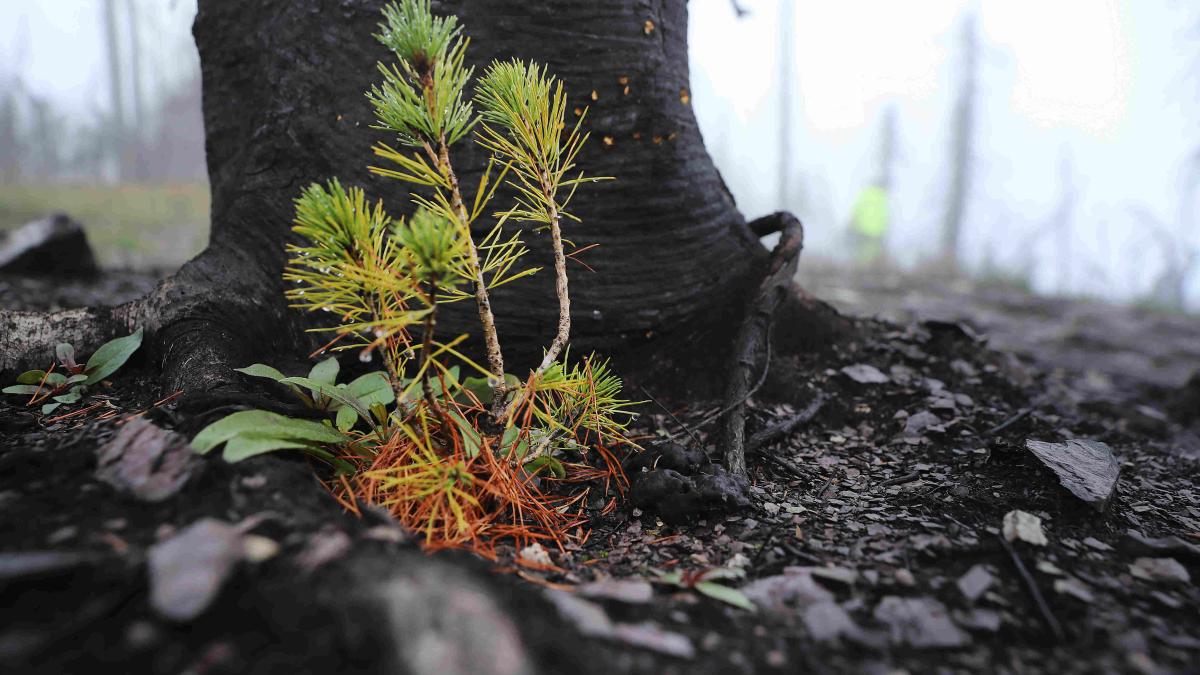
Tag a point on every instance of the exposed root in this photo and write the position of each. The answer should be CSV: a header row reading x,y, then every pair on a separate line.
x,y
753,335
200,323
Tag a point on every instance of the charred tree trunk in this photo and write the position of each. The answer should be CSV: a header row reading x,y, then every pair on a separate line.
x,y
284,106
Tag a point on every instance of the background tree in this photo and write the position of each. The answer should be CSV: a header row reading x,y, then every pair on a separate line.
x,y
961,142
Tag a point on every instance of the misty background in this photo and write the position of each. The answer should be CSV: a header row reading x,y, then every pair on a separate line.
x,y
1045,144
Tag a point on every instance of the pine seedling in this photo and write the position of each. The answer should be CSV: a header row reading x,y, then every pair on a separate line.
x,y
524,113
427,455
421,101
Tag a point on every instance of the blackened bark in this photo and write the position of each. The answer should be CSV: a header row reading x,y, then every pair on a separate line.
x,y
284,106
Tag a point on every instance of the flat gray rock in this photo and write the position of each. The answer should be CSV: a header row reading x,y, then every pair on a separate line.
x,y
864,373
1087,468
975,582
919,622
146,462
784,592
827,621
1160,569
188,570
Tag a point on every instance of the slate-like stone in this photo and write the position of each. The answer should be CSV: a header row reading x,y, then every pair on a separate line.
x,y
827,621
1087,468
975,582
1160,569
919,622
55,245
782,592
188,570
146,462
864,373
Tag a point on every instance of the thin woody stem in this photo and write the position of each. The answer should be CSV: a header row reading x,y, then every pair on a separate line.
x,y
427,345
491,339
560,284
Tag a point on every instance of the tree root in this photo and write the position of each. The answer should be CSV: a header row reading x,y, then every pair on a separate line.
x,y
752,337
199,324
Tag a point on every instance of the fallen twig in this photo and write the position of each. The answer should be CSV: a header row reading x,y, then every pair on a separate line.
x,y
684,427
906,478
1031,586
1009,422
784,428
752,334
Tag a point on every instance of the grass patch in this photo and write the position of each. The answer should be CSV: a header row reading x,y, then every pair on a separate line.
x,y
138,226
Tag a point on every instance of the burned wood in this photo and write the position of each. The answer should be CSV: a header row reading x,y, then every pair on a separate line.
x,y
752,337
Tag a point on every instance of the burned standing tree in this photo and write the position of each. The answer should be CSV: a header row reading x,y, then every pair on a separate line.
x,y
961,143
284,107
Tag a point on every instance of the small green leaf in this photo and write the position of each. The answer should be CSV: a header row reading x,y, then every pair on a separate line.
x,y
249,445
111,356
31,377
261,370
58,379
76,378
372,388
71,396
722,573
21,389
549,463
339,395
262,423
65,353
727,595
325,372
471,438
49,408
346,417
675,578
480,388
511,442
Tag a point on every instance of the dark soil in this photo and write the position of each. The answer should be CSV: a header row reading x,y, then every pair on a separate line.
x,y
887,512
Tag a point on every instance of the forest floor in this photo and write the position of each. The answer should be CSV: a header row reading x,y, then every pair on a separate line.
x,y
873,541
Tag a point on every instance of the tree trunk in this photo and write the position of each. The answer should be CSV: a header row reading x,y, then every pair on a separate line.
x,y
284,106
961,144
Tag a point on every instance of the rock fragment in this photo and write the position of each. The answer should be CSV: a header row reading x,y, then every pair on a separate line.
x,y
827,621
1021,526
146,462
782,592
919,622
188,570
864,373
1087,468
975,582
1160,569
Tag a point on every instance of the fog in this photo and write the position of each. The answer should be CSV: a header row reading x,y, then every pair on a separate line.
x,y
1076,161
